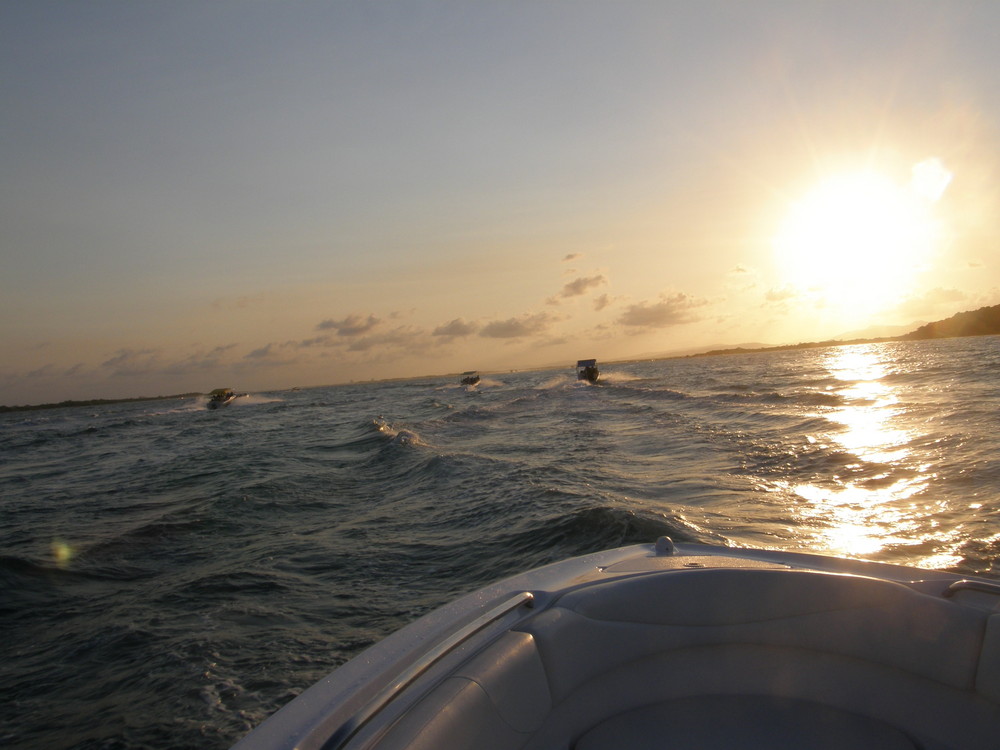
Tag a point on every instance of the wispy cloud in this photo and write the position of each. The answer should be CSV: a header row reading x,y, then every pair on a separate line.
x,y
519,327
403,338
780,294
315,341
352,325
131,362
580,286
671,310
200,361
45,371
273,354
456,328
261,353
577,288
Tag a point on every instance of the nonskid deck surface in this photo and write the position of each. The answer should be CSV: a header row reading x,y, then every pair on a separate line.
x,y
629,647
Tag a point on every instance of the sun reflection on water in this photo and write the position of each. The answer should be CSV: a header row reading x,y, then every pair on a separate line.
x,y
871,503
869,405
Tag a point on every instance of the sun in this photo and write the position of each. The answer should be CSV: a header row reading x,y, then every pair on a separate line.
x,y
858,240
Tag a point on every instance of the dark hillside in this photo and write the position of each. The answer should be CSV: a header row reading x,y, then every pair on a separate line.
x,y
982,322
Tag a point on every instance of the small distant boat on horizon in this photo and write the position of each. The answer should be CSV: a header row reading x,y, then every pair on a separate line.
x,y
586,369
221,397
470,377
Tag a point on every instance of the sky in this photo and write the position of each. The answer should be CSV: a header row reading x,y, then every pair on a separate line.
x,y
262,195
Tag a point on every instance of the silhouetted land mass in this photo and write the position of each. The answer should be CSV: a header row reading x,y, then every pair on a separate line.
x,y
94,402
982,322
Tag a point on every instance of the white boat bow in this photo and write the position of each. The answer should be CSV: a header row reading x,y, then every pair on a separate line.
x,y
655,646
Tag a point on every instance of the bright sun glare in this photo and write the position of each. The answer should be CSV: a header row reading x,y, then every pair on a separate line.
x,y
857,241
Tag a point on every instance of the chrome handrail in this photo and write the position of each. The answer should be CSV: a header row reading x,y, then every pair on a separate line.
x,y
967,585
346,731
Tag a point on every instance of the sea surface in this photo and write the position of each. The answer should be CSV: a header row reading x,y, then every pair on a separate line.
x,y
170,575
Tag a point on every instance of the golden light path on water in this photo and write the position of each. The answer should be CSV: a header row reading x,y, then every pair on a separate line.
x,y
862,515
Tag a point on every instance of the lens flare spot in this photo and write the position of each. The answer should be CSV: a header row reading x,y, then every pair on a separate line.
x,y
62,553
930,179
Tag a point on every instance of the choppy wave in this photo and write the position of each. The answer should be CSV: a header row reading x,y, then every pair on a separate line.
x,y
203,567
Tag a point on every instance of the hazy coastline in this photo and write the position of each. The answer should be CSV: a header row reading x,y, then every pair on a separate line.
x,y
982,322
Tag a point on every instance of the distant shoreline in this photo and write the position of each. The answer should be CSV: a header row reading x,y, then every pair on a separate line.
x,y
712,353
94,402
982,322
794,347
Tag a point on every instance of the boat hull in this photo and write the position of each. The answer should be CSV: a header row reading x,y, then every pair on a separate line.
x,y
586,369
626,647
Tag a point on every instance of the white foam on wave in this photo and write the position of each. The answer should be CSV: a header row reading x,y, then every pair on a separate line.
x,y
619,377
397,435
558,381
252,399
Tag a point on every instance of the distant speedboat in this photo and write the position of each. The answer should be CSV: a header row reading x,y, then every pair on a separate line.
x,y
685,645
586,369
470,377
221,397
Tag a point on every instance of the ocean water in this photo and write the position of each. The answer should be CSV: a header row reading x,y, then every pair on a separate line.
x,y
170,576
